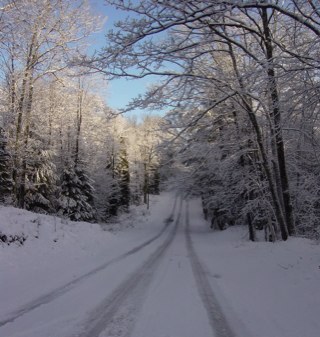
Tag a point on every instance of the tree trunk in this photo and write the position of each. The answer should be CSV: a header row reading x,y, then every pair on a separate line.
x,y
265,164
276,118
145,184
79,123
252,236
22,187
24,107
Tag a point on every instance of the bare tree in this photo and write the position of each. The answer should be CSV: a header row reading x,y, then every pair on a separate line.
x,y
180,41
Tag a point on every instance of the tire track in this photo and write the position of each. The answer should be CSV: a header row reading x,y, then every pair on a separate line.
x,y
52,295
116,315
217,320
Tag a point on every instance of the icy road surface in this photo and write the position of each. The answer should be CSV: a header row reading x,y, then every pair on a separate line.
x,y
173,277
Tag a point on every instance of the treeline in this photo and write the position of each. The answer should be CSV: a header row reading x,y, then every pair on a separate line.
x,y
62,150
242,81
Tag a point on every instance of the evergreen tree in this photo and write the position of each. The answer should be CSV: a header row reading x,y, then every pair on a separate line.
x,y
154,187
76,199
136,184
6,184
41,177
123,175
113,200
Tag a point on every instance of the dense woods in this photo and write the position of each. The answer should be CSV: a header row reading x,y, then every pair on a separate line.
x,y
240,82
62,149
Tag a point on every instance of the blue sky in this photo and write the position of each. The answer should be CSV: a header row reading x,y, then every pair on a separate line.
x,y
121,91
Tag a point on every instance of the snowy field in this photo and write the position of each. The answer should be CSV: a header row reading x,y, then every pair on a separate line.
x,y
157,273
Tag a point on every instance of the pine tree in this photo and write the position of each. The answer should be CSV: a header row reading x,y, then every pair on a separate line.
x,y
76,199
41,176
123,175
6,183
154,187
113,200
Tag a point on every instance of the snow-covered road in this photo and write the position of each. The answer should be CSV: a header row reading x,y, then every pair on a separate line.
x,y
54,294
171,277
148,290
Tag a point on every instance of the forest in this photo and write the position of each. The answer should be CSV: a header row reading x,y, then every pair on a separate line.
x,y
238,81
63,150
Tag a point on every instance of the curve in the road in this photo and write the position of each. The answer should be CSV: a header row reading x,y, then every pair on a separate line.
x,y
217,320
116,314
52,295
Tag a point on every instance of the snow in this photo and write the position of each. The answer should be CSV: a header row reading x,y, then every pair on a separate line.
x,y
63,251
262,289
273,288
173,307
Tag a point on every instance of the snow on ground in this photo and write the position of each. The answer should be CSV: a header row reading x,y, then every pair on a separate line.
x,y
58,250
264,289
273,288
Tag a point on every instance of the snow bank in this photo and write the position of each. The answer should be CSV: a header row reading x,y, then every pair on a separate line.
x,y
56,250
273,288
